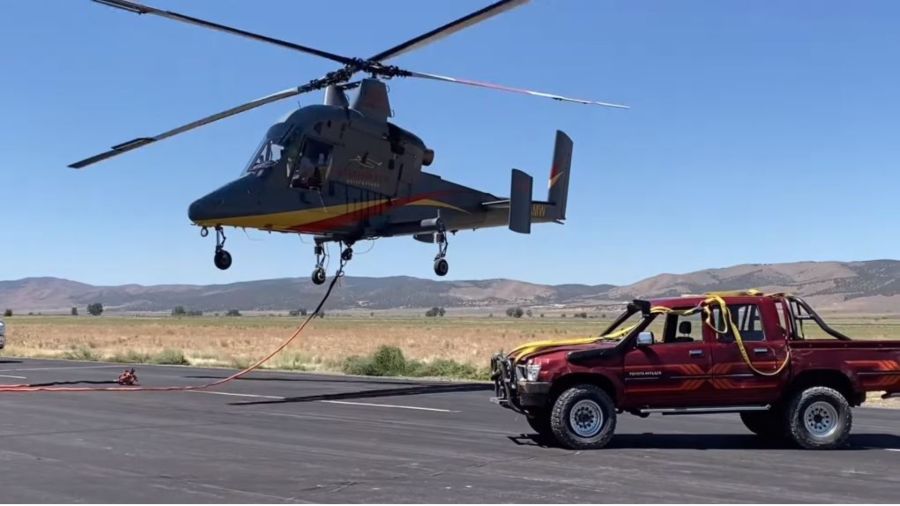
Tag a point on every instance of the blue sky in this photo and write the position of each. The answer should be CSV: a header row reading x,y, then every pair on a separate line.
x,y
759,132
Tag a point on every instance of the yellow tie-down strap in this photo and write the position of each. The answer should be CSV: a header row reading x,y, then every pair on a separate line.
x,y
536,346
712,298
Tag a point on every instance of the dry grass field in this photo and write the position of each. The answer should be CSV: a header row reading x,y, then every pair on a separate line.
x,y
230,341
236,341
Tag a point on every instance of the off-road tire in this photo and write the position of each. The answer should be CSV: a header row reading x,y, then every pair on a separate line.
x,y
766,424
586,399
833,413
539,420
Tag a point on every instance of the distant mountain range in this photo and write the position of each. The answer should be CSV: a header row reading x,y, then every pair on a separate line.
x,y
851,287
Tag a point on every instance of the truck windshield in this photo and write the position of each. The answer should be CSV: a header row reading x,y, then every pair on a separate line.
x,y
623,325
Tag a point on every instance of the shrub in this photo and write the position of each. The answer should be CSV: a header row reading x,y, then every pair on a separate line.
x,y
444,368
74,311
389,361
435,311
360,366
170,357
178,311
8,313
131,357
81,353
515,312
95,309
233,312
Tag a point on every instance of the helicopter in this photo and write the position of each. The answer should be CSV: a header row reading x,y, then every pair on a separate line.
x,y
343,172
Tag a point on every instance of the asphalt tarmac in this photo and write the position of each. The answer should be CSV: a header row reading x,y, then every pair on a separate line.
x,y
281,437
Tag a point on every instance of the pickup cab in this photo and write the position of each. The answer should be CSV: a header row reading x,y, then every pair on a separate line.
x,y
770,358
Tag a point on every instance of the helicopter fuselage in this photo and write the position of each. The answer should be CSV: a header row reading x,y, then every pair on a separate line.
x,y
336,173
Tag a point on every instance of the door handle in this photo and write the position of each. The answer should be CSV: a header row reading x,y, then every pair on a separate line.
x,y
760,351
696,353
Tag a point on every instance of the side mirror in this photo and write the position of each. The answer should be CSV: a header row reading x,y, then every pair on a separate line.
x,y
644,339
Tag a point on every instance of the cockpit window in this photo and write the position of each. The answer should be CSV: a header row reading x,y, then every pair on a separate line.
x,y
270,149
315,160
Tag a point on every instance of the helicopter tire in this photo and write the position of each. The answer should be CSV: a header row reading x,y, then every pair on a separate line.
x,y
318,275
441,267
222,259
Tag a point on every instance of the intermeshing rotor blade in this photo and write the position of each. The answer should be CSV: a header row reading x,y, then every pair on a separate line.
x,y
139,8
491,86
143,141
448,29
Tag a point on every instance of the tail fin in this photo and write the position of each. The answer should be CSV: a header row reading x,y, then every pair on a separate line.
x,y
520,202
558,191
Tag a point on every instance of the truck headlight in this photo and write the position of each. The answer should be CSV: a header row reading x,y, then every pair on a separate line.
x,y
532,371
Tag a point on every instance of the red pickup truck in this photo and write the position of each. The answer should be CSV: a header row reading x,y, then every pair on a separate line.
x,y
741,352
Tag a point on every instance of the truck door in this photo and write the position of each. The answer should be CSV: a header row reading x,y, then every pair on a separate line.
x,y
674,370
765,341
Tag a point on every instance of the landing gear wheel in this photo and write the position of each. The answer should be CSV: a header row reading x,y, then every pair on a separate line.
x,y
318,275
765,424
583,418
222,259
819,418
441,267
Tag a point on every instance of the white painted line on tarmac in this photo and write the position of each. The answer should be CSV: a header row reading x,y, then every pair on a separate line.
x,y
238,395
11,376
62,368
397,406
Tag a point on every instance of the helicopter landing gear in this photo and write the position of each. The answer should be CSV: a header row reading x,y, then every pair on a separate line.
x,y
441,267
221,258
318,274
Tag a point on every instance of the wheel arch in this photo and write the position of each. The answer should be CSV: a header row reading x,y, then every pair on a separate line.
x,y
830,378
570,380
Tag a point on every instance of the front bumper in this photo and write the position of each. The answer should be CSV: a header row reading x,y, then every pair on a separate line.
x,y
512,390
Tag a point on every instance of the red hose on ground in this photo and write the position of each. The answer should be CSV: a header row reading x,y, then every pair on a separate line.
x,y
25,387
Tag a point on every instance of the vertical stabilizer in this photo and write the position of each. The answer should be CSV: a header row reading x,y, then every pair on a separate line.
x,y
558,191
520,202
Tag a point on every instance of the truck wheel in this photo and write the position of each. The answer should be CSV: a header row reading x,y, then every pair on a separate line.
x,y
583,418
819,418
767,424
539,420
